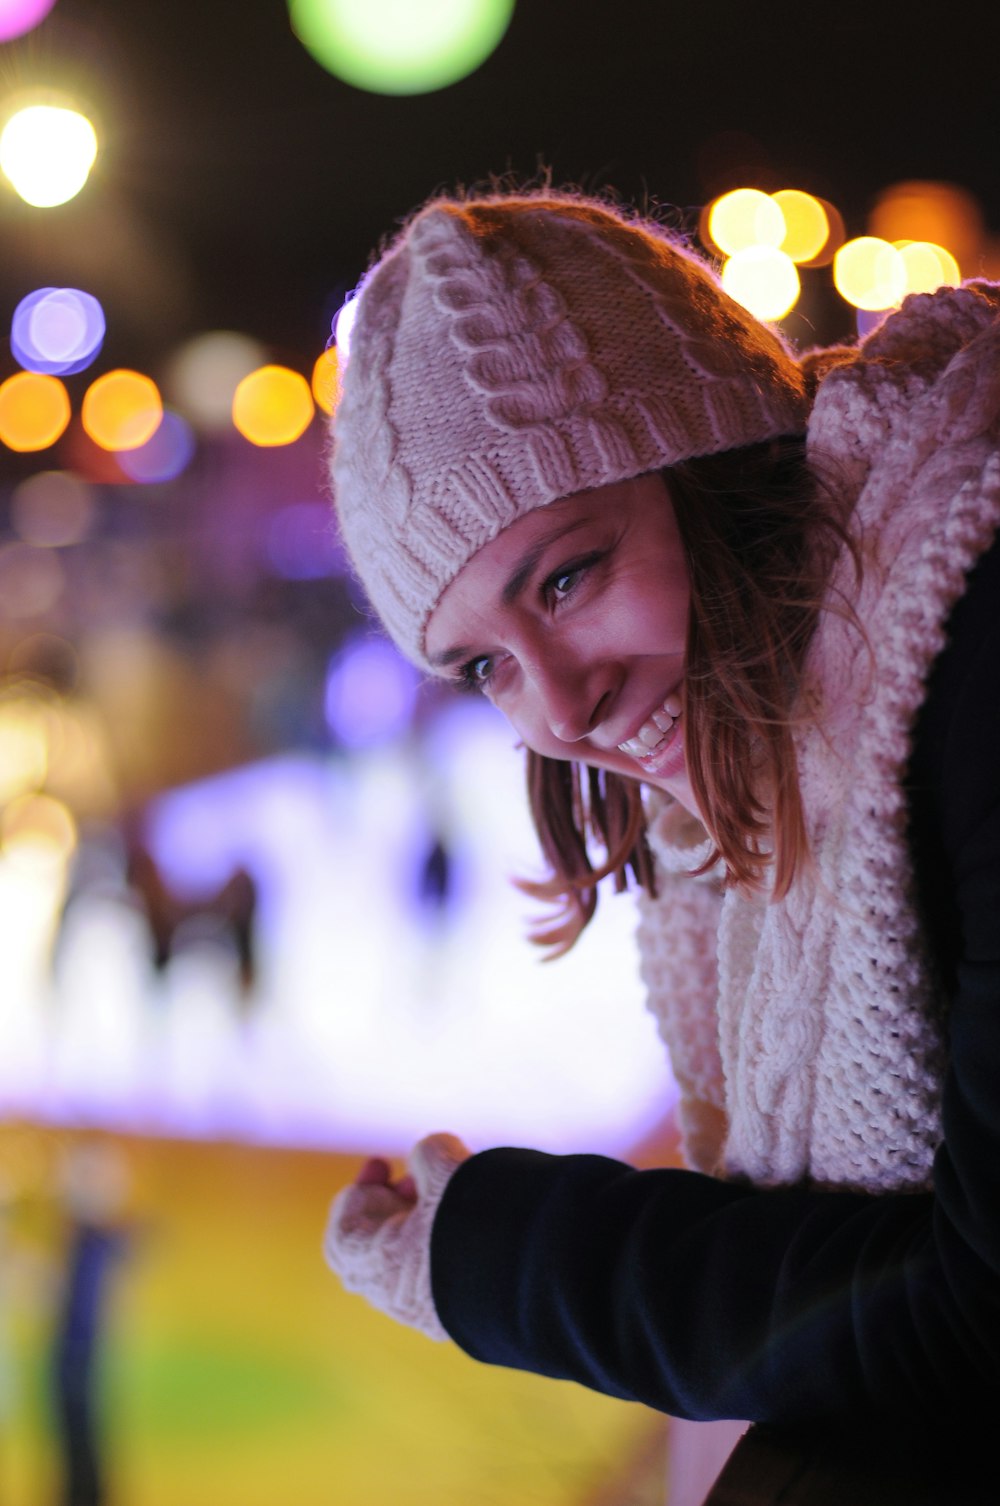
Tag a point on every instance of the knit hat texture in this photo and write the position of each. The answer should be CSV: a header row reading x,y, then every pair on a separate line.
x,y
509,351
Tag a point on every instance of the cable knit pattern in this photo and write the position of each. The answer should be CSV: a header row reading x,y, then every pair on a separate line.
x,y
391,1266
677,949
489,376
829,1024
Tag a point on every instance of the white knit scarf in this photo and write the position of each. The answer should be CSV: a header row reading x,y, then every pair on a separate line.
x,y
806,1034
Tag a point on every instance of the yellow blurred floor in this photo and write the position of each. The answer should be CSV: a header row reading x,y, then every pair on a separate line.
x,y
237,1373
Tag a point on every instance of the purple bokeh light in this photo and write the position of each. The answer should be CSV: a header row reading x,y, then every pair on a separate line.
x,y
162,457
57,331
371,692
19,16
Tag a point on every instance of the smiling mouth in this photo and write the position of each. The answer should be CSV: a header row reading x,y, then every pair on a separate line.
x,y
655,731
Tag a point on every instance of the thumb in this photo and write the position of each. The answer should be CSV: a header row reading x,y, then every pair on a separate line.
x,y
432,1161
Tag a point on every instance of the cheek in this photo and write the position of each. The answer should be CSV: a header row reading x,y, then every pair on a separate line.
x,y
647,612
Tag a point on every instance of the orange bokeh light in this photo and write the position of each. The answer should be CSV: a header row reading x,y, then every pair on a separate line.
x,y
326,380
942,213
273,406
121,410
34,411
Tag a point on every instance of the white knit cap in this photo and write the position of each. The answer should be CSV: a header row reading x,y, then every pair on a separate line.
x,y
509,351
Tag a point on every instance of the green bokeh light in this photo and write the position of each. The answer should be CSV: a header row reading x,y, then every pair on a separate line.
x,y
400,46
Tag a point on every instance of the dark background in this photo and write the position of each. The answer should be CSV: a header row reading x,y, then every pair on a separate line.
x,y
239,185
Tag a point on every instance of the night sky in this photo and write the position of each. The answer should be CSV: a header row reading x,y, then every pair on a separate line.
x,y
240,185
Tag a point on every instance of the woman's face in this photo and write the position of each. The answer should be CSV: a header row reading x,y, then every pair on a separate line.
x,y
573,623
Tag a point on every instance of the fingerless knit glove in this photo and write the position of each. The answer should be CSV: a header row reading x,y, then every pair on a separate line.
x,y
390,1264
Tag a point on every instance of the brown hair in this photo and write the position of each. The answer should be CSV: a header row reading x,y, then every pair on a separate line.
x,y
760,533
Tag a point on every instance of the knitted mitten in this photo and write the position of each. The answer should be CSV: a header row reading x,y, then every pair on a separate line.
x,y
390,1264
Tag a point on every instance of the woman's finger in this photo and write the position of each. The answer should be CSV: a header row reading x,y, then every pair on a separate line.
x,y
374,1173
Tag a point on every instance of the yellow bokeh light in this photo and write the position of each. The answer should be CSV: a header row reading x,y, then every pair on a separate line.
x,y
273,406
47,153
763,280
326,380
928,267
807,228
121,410
745,218
38,833
24,748
869,273
34,411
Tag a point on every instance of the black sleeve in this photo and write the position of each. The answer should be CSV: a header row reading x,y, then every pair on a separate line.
x,y
707,1299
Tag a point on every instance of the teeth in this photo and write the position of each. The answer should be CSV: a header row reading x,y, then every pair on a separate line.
x,y
651,734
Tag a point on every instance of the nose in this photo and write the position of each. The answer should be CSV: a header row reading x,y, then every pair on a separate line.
x,y
574,698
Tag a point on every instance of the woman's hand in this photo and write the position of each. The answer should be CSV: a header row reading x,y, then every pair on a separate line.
x,y
375,1197
379,1231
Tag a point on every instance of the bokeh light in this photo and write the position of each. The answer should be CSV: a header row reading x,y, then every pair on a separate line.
x,y
942,213
38,833
47,152
121,410
928,267
763,280
34,411
52,509
204,374
807,228
326,380
24,747
869,273
371,691
57,330
19,16
745,218
273,406
165,455
400,46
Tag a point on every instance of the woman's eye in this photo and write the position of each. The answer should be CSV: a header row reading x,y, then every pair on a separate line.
x,y
475,675
563,583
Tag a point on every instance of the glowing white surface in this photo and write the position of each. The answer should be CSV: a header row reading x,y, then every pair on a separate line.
x,y
372,1022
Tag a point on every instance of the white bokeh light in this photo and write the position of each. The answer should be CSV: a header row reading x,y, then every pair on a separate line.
x,y
47,152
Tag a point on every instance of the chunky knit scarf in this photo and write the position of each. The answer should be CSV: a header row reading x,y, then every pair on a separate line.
x,y
807,1034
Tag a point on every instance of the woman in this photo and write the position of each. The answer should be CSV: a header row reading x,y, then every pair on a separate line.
x,y
754,600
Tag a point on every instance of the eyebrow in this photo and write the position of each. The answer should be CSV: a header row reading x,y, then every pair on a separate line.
x,y
514,584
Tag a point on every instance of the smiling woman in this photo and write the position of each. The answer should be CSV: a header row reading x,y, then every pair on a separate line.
x,y
573,621
741,609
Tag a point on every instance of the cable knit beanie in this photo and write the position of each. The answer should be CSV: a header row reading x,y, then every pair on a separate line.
x,y
508,351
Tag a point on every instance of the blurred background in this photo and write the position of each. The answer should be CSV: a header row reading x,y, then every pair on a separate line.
x,y
255,911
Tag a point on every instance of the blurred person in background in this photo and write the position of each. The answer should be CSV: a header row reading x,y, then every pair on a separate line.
x,y
94,1181
743,611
